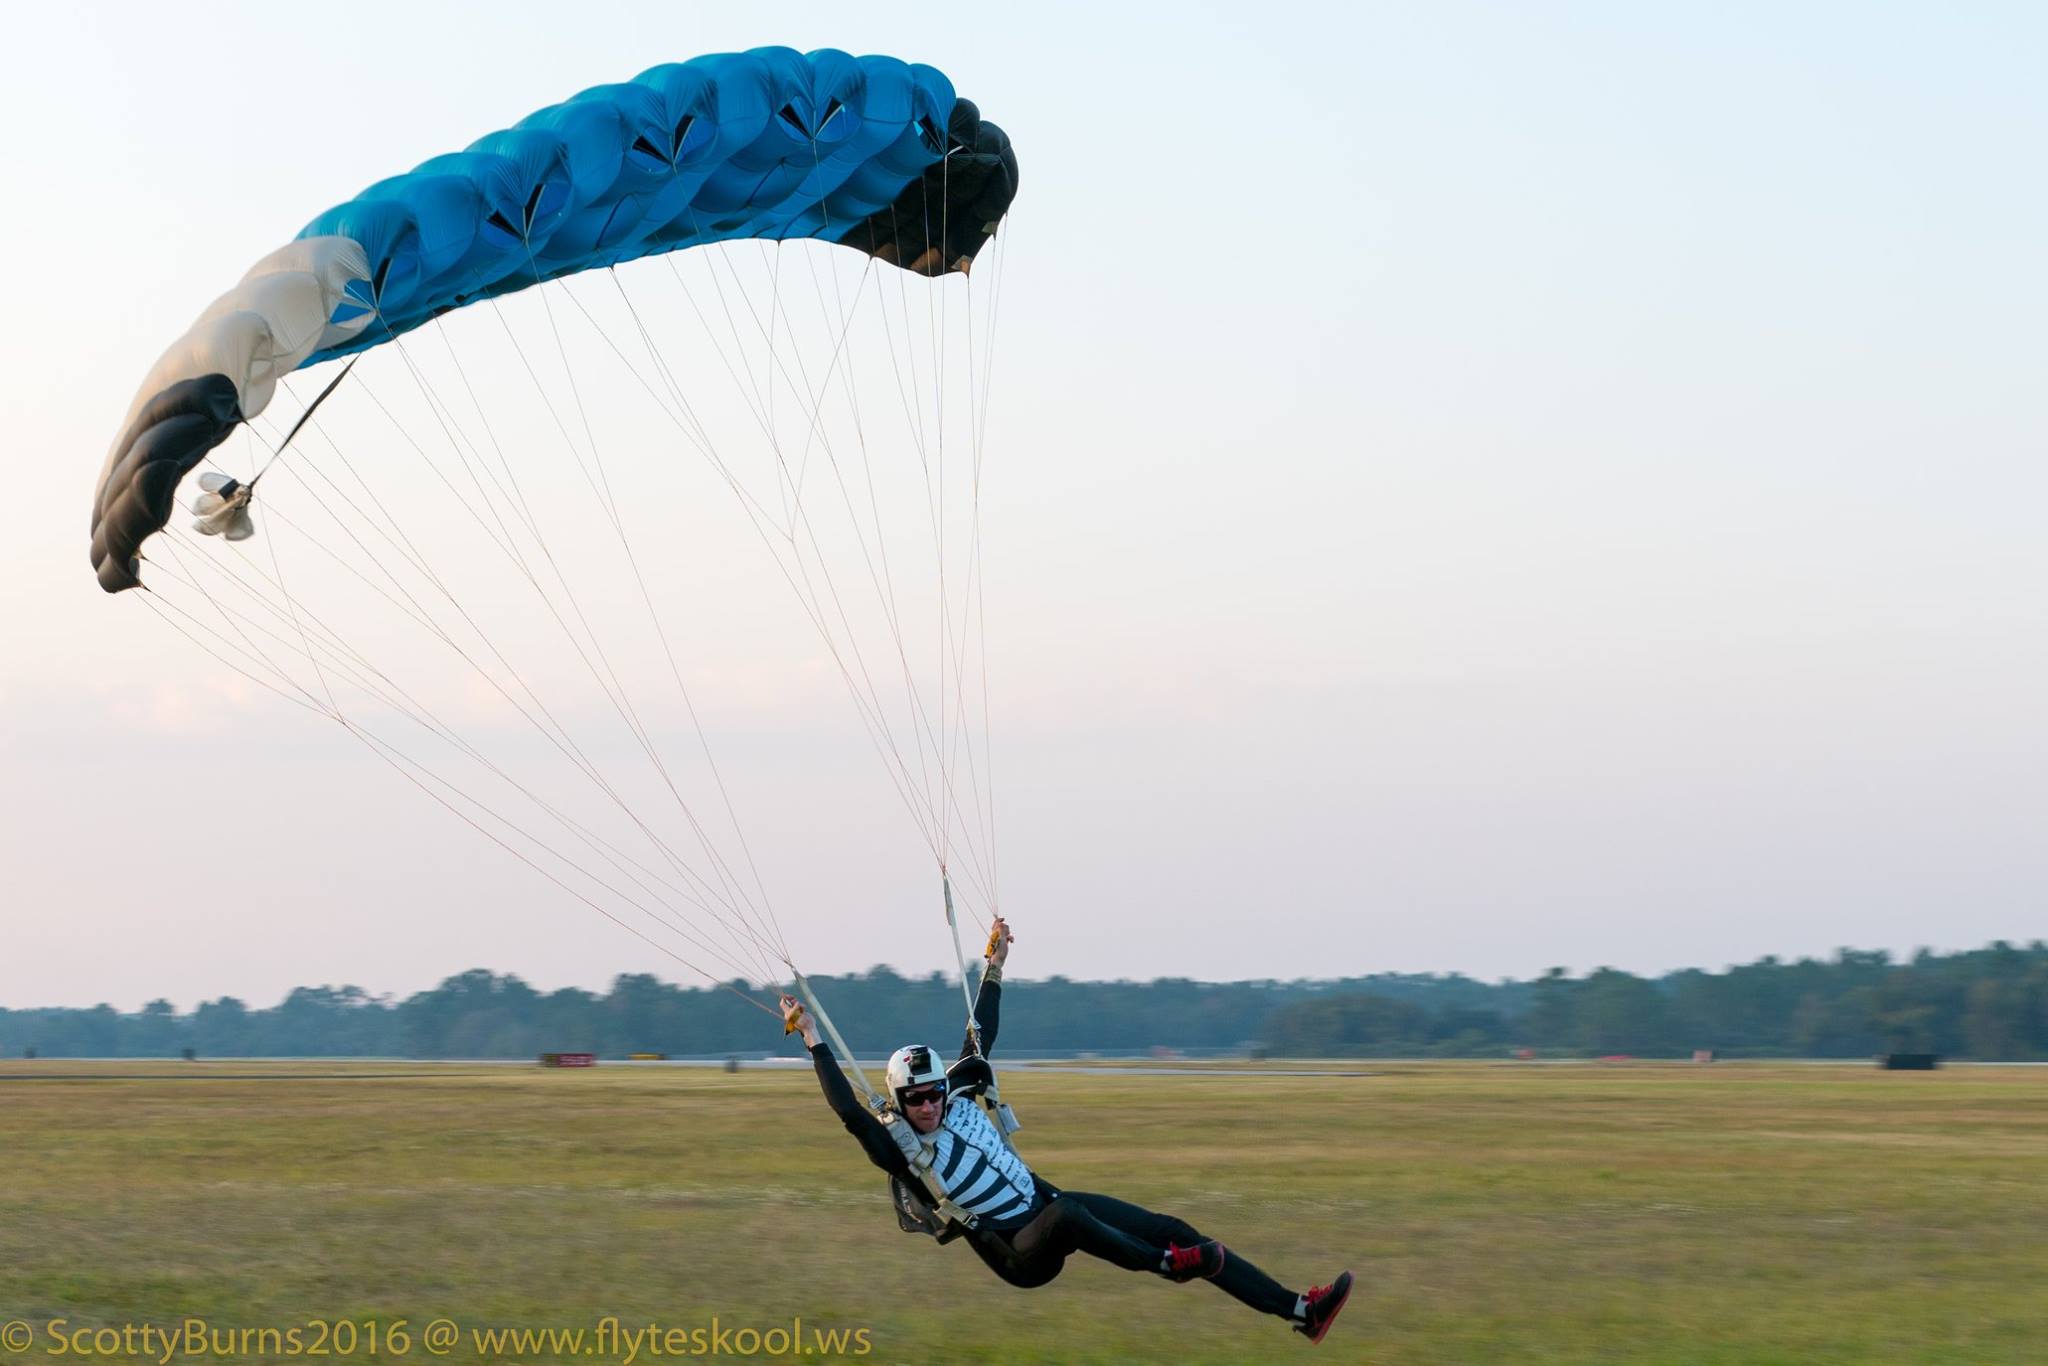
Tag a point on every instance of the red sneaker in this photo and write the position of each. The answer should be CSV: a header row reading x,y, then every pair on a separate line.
x,y
1187,1263
1322,1304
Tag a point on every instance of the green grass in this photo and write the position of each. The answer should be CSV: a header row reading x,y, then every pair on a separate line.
x,y
1734,1213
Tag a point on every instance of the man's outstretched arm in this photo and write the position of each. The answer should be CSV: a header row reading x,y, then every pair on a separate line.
x,y
988,1002
881,1149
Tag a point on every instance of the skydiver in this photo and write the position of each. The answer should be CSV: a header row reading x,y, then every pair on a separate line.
x,y
953,1174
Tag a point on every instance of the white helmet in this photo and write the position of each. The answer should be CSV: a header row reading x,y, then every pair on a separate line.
x,y
912,1068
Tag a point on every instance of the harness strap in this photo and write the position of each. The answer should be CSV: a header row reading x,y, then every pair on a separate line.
x,y
924,1168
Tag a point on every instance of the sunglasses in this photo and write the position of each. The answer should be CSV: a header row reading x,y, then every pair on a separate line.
x,y
931,1095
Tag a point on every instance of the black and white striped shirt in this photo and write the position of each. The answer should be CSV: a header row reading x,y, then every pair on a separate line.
x,y
979,1170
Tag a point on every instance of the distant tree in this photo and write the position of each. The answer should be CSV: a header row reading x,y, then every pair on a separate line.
x,y
1621,1013
221,1029
1553,1011
1350,1025
156,1032
1994,1022
1990,1003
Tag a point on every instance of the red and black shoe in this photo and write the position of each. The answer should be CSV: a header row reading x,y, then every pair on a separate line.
x,y
1320,1306
1191,1263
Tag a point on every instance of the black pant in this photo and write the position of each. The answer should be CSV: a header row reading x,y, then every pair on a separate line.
x,y
1131,1236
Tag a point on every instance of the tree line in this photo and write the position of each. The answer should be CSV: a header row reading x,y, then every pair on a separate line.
x,y
1989,1004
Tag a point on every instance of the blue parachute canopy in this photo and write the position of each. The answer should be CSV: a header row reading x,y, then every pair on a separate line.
x,y
870,152
770,143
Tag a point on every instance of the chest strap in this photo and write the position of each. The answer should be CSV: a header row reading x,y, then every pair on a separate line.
x,y
922,1167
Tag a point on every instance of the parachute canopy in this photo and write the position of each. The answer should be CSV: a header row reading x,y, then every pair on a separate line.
x,y
868,152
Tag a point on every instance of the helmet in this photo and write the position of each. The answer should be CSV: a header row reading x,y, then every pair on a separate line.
x,y
912,1068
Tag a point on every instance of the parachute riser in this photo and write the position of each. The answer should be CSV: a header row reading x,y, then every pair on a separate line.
x,y
991,1097
999,1109
876,1100
967,992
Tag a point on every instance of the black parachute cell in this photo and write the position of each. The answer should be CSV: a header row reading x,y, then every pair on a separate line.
x,y
943,219
171,434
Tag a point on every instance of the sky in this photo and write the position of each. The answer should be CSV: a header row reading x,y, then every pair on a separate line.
x,y
1466,488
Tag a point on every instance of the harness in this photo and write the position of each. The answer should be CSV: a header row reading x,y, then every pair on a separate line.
x,y
925,1207
915,1212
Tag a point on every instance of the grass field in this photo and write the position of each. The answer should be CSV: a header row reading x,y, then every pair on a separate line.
x,y
1493,1213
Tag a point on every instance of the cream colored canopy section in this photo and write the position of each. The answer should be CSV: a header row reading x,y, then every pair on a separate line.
x,y
222,371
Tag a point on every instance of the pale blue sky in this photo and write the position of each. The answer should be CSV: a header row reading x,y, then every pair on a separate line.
x,y
1471,487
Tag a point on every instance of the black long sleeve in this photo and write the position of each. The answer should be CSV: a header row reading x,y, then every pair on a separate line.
x,y
880,1148
988,1008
